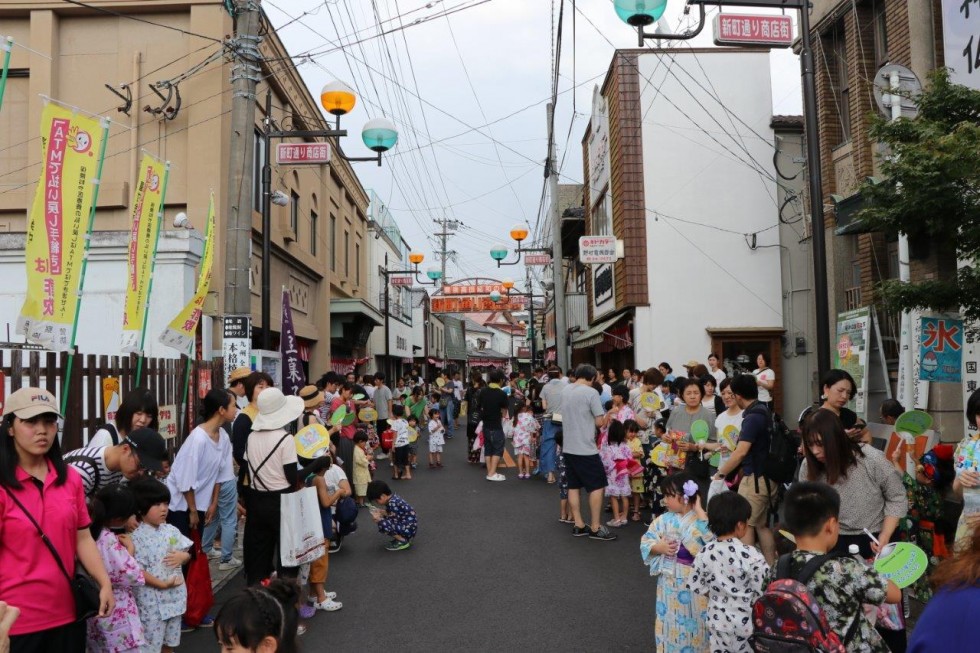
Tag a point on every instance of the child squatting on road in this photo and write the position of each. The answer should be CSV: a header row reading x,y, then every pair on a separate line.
x,y
393,515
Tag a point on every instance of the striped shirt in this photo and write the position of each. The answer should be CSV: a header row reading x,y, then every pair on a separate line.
x,y
89,462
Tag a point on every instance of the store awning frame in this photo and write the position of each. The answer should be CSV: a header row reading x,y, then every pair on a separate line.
x,y
353,306
596,334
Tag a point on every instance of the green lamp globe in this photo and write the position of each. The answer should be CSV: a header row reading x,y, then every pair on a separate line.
x,y
434,274
379,134
639,13
498,252
495,296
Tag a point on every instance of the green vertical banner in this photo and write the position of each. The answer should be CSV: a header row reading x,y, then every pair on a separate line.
x,y
7,46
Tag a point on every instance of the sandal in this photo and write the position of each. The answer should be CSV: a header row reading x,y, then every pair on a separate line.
x,y
635,517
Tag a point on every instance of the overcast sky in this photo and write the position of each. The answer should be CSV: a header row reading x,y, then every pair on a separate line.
x,y
468,92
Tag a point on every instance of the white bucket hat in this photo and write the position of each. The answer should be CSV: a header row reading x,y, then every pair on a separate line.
x,y
276,410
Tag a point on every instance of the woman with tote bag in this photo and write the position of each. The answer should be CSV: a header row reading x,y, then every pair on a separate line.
x,y
270,458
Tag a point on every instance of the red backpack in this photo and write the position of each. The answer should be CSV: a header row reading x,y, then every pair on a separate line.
x,y
788,619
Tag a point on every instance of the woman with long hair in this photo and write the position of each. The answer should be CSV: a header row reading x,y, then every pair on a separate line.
x,y
472,399
37,487
947,623
873,498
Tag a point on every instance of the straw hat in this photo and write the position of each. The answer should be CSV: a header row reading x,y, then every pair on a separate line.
x,y
276,410
311,396
238,374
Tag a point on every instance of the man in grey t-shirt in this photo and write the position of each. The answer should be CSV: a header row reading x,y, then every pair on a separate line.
x,y
382,402
582,412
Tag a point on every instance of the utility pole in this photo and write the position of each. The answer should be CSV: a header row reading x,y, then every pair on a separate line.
x,y
557,260
238,239
447,228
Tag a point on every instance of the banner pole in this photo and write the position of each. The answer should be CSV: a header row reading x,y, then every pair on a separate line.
x,y
153,267
187,385
7,46
81,281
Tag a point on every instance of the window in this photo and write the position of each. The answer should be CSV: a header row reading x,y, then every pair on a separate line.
x,y
258,156
313,235
333,243
357,264
881,34
294,212
602,216
347,254
841,85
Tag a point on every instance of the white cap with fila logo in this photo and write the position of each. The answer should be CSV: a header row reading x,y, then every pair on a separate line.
x,y
31,402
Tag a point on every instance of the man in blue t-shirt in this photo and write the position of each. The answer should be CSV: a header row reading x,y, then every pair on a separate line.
x,y
750,452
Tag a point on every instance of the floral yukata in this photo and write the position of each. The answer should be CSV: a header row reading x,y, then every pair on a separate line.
x,y
919,527
732,575
160,609
122,630
524,431
681,614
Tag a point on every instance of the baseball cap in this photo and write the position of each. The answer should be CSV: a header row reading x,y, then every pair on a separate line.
x,y
691,363
150,448
31,402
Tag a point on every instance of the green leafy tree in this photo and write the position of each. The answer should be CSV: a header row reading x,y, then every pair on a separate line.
x,y
930,189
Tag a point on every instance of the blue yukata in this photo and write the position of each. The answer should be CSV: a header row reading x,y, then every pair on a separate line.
x,y
400,519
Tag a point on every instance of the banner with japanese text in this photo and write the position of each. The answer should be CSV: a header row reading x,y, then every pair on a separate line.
x,y
941,350
181,332
147,200
71,147
853,345
293,376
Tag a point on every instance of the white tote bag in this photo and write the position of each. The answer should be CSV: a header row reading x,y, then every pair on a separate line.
x,y
300,528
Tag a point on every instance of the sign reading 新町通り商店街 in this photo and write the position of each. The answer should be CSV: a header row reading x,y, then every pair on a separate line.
x,y
753,29
597,249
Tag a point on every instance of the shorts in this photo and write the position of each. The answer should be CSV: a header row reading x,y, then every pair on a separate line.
x,y
157,633
435,448
401,456
360,489
493,442
318,568
585,472
758,500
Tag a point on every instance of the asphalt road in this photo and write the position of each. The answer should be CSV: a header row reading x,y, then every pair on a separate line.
x,y
490,570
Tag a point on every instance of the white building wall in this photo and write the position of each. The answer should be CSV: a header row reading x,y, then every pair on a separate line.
x,y
706,274
104,297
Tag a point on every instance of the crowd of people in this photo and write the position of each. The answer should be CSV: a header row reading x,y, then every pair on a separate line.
x,y
698,458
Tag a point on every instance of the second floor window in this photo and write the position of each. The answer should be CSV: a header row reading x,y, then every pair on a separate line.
x,y
313,232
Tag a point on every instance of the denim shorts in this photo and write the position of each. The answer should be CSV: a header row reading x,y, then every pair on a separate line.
x,y
493,442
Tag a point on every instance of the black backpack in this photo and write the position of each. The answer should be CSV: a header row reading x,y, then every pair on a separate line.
x,y
113,433
779,465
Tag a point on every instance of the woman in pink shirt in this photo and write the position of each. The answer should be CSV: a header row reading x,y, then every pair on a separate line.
x,y
33,474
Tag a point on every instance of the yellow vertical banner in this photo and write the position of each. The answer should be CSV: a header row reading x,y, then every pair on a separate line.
x,y
72,146
180,333
146,216
110,397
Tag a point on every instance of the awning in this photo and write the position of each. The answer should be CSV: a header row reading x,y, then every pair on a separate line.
x,y
596,334
354,307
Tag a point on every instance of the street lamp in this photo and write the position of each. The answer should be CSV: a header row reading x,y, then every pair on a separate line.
x,y
518,232
508,285
338,99
638,13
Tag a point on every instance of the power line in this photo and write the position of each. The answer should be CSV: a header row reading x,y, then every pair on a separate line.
x,y
112,12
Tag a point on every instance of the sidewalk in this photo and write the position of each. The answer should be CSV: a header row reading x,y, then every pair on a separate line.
x,y
221,578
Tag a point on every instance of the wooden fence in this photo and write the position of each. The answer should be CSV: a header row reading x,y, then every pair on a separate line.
x,y
164,377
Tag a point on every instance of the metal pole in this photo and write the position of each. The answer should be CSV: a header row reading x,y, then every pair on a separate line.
x,y
238,232
267,227
816,196
561,326
387,318
906,396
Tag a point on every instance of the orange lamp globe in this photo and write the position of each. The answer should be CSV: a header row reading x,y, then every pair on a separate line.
x,y
518,232
507,283
337,98
416,257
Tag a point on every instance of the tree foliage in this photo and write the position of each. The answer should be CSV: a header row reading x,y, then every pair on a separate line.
x,y
930,190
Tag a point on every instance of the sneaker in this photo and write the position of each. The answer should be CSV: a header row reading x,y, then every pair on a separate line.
x,y
497,477
185,627
381,456
580,532
398,546
602,533
307,611
229,564
214,553
329,605
613,523
334,547
206,622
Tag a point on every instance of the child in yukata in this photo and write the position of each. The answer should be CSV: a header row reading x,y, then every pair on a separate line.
x,y
161,550
731,574
113,512
393,516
